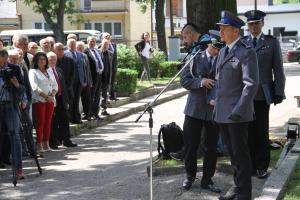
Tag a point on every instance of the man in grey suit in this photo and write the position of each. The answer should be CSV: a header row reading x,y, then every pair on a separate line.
x,y
270,89
198,78
237,75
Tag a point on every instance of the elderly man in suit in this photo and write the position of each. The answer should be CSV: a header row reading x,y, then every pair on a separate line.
x,y
97,67
60,127
237,75
198,78
270,89
86,91
80,79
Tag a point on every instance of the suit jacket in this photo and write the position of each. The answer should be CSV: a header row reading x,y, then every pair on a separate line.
x,y
115,57
92,63
79,65
237,84
64,92
197,103
270,64
107,72
88,70
30,57
68,67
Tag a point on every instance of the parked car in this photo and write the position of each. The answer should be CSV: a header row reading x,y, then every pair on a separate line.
x,y
294,55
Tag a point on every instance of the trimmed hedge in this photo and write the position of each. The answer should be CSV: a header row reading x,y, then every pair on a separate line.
x,y
168,69
126,81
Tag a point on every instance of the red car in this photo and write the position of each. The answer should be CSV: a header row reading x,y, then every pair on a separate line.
x,y
294,55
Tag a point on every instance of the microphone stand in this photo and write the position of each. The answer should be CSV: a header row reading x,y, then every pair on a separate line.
x,y
149,109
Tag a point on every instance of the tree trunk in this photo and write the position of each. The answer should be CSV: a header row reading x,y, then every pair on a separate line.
x,y
206,13
160,25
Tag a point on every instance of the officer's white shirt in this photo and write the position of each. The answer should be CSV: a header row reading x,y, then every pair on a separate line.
x,y
257,37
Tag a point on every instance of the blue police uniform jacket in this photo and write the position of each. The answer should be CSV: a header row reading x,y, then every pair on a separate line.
x,y
237,84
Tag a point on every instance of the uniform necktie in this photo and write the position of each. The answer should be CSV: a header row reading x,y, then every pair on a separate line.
x,y
210,58
254,41
226,51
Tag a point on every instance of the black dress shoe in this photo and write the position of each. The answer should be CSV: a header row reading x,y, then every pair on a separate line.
x,y
88,118
7,162
70,144
96,117
187,183
261,173
211,188
231,196
113,98
2,166
76,122
105,113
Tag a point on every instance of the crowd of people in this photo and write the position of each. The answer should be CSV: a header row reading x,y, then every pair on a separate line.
x,y
41,87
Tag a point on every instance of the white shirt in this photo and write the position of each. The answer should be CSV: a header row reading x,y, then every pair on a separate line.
x,y
41,83
146,50
257,37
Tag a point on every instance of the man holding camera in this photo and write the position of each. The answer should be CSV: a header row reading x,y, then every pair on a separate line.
x,y
11,90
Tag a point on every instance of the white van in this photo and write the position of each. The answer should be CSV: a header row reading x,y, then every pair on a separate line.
x,y
35,35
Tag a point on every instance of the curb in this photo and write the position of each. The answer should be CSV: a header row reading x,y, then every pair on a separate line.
x,y
275,186
77,129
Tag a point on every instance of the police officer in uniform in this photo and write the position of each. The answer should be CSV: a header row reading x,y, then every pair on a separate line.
x,y
237,75
270,89
198,78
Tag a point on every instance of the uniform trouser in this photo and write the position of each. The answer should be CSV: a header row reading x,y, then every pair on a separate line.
x,y
259,136
60,128
146,69
113,78
9,115
95,95
236,138
192,130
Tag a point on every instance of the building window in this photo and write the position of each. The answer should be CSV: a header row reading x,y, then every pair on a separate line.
x,y
37,25
87,26
114,28
87,4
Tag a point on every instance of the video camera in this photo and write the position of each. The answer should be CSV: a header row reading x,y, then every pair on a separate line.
x,y
7,73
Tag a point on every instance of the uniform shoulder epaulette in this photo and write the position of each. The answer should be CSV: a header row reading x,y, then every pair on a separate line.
x,y
245,45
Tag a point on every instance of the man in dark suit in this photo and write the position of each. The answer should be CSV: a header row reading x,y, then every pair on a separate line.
x,y
79,82
112,48
86,90
68,67
270,89
96,66
60,127
237,75
198,78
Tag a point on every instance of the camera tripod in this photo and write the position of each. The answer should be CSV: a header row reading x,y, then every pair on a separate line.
x,y
24,127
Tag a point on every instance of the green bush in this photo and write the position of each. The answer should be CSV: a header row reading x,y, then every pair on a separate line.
x,y
168,69
126,81
129,59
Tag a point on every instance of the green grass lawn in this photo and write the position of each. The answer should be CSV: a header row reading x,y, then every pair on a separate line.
x,y
293,188
155,81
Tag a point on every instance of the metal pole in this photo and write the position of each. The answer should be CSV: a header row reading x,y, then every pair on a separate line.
x,y
255,4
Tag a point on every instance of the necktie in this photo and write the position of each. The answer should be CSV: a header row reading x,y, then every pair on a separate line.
x,y
58,81
254,41
226,51
74,55
99,65
210,58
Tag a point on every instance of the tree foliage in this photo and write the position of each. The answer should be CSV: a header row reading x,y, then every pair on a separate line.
x,y
205,13
53,12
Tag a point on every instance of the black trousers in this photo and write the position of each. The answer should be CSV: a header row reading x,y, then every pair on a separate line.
x,y
235,136
86,100
95,95
75,115
259,136
60,128
192,130
113,79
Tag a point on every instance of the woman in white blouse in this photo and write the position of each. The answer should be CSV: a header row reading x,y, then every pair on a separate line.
x,y
44,87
